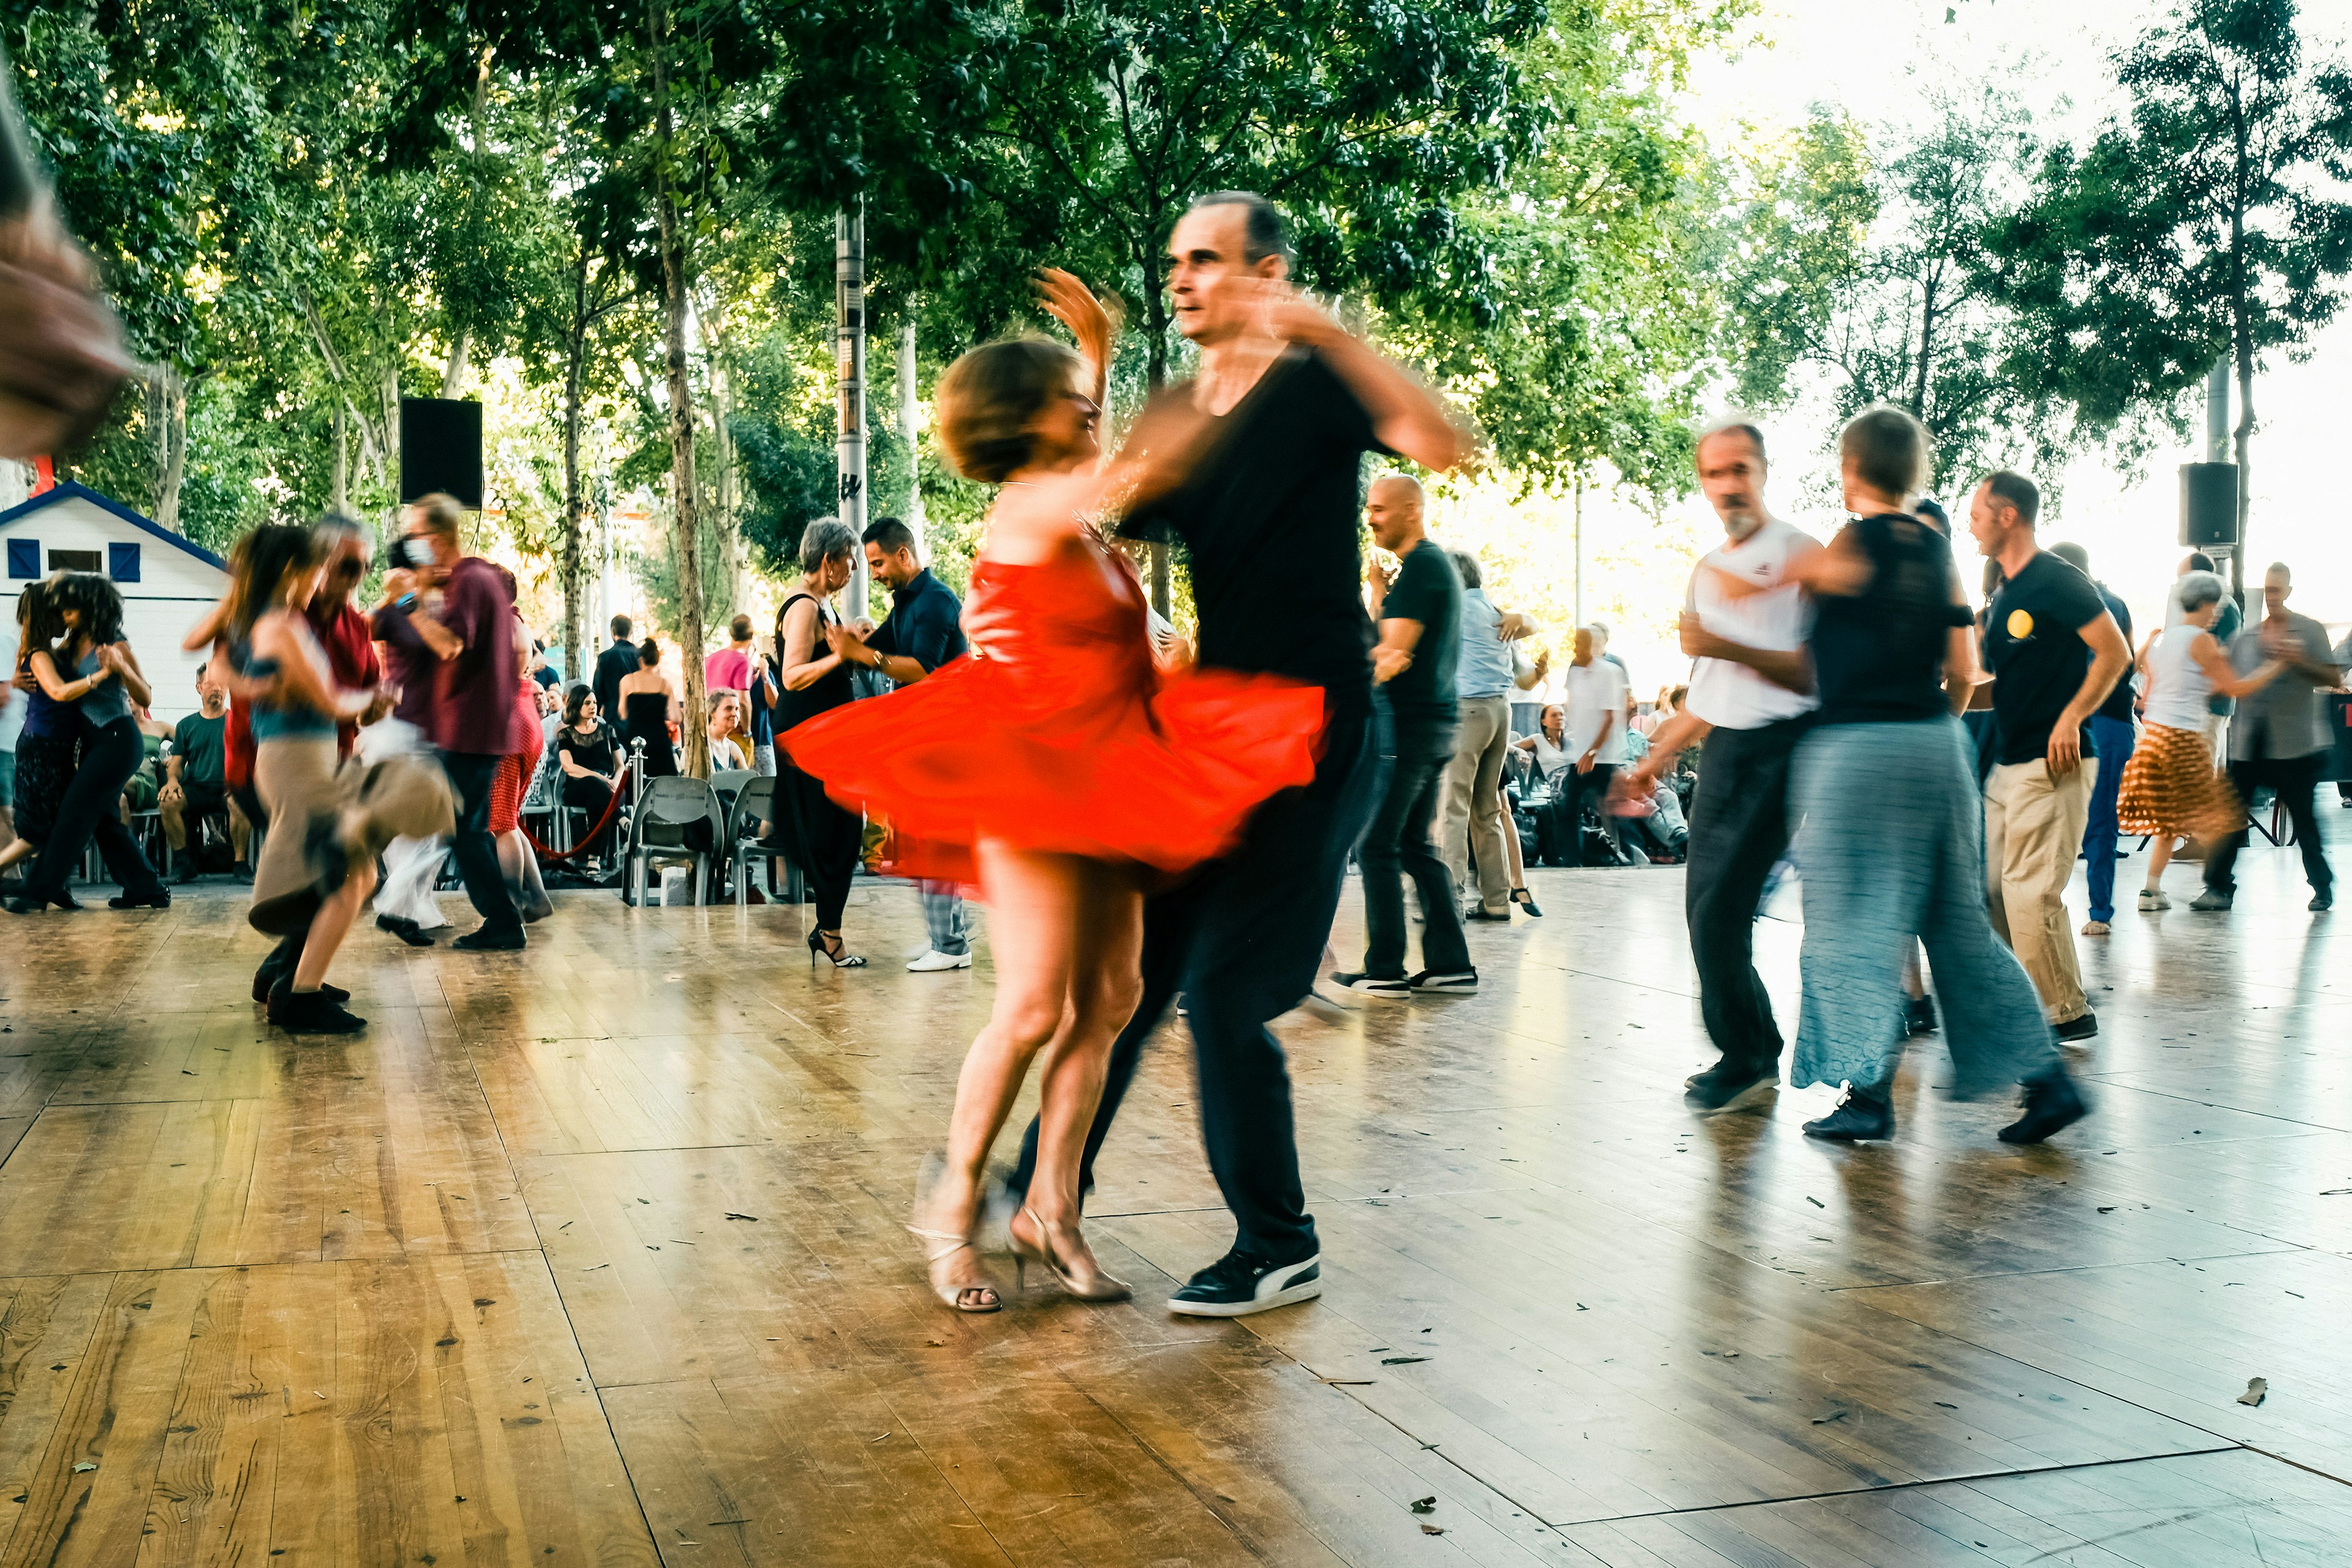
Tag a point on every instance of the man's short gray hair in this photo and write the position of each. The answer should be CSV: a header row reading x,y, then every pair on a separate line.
x,y
1465,566
2197,589
826,538
333,527
1733,425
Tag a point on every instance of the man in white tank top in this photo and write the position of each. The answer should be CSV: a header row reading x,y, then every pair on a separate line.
x,y
1750,690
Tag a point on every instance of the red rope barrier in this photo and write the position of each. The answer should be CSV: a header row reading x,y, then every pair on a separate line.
x,y
611,808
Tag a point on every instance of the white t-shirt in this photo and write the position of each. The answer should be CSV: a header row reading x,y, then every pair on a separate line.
x,y
1732,696
1596,693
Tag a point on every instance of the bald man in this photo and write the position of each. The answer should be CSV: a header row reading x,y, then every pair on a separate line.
x,y
1414,665
2279,738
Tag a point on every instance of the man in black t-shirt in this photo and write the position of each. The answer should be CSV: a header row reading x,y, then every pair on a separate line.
x,y
1414,664
2055,654
1289,402
613,666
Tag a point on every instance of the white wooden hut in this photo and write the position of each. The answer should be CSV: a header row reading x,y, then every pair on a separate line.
x,y
166,582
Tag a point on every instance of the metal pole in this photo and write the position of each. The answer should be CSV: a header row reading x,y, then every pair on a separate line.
x,y
910,432
2217,412
849,341
1579,550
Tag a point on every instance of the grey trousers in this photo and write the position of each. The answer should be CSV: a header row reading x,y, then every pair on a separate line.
x,y
1470,816
943,918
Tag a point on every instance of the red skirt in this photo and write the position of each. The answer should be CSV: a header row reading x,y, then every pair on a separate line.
x,y
1164,777
511,783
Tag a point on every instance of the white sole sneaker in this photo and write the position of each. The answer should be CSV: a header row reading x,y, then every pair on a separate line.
x,y
1281,1286
1426,983
935,963
1372,984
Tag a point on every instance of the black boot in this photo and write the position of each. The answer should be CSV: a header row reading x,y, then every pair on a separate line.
x,y
1919,1015
2052,1103
1866,1112
1729,1082
311,1012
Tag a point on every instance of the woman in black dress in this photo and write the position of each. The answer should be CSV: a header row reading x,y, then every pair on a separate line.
x,y
587,753
648,708
821,838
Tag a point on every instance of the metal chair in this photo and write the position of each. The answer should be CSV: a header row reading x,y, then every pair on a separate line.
x,y
658,832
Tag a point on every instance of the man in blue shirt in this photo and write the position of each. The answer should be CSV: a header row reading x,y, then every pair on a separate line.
x,y
2112,733
923,631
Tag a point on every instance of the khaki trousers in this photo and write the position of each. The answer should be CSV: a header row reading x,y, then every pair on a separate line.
x,y
2034,829
1469,812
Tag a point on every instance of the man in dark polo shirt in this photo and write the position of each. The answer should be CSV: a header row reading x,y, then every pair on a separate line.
x,y
613,666
475,716
1290,402
1415,666
2055,654
924,630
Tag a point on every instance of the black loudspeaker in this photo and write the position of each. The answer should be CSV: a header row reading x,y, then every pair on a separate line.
x,y
441,449
2208,505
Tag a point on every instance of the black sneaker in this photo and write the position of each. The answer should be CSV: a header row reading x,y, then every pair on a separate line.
x,y
2051,1102
184,869
2322,902
2074,1030
1430,980
1919,1015
1373,984
1864,1113
1728,1083
487,941
1241,1283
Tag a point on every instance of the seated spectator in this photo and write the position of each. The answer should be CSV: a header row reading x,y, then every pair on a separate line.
x,y
146,782
1544,746
589,756
726,723
195,780
1663,836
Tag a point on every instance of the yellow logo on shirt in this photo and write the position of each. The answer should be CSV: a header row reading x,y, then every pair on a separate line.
x,y
2020,625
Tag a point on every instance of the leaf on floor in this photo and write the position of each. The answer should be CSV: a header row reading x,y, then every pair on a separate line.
x,y
753,1218
1429,1529
1401,1360
1833,1415
1424,1505
2257,1390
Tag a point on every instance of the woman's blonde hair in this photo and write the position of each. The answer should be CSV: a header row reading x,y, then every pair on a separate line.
x,y
990,397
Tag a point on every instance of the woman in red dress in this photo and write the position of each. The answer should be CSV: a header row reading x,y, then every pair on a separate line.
x,y
1059,770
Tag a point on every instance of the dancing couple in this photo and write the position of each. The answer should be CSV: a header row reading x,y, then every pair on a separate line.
x,y
1140,831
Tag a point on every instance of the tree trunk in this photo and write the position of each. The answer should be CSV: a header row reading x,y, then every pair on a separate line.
x,y
685,525
341,492
1163,588
167,423
575,507
388,395
453,373
722,431
910,431
2244,440
1927,348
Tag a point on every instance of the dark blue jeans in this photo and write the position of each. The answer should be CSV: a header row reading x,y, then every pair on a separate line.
x,y
2116,740
1241,942
1396,845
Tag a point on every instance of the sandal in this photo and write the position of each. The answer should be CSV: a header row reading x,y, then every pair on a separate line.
x,y
979,1298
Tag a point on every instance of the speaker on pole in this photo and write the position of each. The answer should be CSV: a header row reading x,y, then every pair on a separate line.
x,y
441,449
2208,505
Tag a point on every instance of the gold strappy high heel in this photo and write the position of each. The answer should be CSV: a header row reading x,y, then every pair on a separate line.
x,y
1085,1281
952,1296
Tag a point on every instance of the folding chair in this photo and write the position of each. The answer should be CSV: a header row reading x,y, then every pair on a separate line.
x,y
755,803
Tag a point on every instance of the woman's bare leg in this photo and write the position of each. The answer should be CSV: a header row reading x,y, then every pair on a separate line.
x,y
1105,983
2160,855
331,923
1034,906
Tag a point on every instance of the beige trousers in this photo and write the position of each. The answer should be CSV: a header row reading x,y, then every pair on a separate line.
x,y
1468,812
2034,829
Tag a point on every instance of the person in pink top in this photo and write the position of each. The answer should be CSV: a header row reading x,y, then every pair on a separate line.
x,y
729,669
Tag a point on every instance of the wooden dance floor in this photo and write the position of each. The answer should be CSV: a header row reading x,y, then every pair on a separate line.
x,y
590,1255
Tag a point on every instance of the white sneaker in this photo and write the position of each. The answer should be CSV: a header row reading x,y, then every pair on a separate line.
x,y
2152,899
933,961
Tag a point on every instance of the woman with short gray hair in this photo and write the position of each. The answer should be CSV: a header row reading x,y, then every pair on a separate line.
x,y
822,838
2170,788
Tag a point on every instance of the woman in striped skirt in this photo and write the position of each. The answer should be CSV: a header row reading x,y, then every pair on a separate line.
x,y
2170,787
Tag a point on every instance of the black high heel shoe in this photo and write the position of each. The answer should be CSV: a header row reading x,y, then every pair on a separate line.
x,y
1527,902
834,954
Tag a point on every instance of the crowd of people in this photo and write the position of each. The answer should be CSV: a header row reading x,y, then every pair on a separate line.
x,y
1153,817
